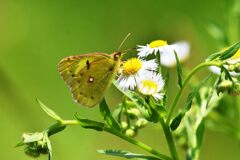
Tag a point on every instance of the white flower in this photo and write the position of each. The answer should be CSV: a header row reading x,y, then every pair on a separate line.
x,y
151,84
132,70
232,60
167,51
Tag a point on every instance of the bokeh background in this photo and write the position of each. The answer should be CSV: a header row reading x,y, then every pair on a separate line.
x,y
35,35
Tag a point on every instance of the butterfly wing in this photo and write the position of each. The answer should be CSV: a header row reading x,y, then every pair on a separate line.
x,y
88,76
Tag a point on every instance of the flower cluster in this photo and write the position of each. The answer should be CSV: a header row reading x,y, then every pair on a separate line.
x,y
131,118
232,64
141,74
36,144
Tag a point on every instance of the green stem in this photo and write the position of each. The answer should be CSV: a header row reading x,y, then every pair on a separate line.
x,y
169,139
129,139
178,94
138,143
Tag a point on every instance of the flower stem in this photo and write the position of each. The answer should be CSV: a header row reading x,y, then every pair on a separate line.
x,y
138,143
169,139
189,76
129,139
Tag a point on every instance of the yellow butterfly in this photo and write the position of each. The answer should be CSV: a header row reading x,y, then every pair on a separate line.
x,y
89,75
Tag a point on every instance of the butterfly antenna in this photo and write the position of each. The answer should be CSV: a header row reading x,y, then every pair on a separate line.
x,y
123,41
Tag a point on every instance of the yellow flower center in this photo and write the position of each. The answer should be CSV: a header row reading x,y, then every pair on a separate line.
x,y
157,43
236,56
131,66
151,85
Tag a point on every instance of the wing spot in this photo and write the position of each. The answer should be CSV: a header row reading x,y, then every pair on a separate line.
x,y
81,93
85,96
88,64
73,75
92,97
110,69
90,79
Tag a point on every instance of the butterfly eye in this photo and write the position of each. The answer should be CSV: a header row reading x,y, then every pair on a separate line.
x,y
117,55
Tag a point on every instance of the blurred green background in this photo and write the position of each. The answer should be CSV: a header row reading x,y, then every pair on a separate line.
x,y
35,35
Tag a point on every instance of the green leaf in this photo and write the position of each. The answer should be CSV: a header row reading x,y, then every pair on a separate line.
x,y
179,70
57,128
161,110
193,93
223,55
49,147
126,154
214,56
176,121
90,124
20,144
230,51
107,116
200,134
136,99
49,112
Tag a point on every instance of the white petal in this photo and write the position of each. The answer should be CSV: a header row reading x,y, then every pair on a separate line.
x,y
217,71
158,96
168,58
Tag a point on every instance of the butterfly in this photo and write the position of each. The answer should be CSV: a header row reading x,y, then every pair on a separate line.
x,y
89,75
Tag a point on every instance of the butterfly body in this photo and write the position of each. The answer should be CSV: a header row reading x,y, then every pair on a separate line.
x,y
89,75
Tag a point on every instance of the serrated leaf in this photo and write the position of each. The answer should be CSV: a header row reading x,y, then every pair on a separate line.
x,y
176,121
107,115
126,154
179,70
90,124
49,112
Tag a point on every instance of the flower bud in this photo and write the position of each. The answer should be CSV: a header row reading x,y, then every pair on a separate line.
x,y
142,122
224,85
235,89
130,103
231,67
134,112
36,144
124,125
237,67
32,152
130,132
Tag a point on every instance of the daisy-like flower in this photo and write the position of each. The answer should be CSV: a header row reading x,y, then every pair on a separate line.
x,y
231,61
132,70
151,84
167,51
